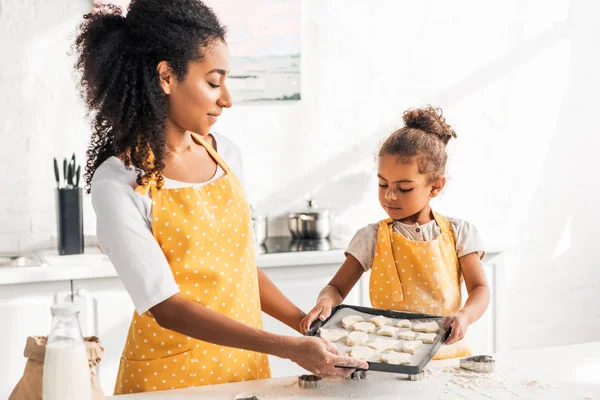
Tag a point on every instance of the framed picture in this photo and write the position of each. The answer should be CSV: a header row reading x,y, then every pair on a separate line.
x,y
264,39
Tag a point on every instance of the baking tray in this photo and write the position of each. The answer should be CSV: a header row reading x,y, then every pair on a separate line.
x,y
420,359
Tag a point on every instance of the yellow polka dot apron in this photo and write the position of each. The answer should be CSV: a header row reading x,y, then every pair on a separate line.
x,y
418,276
206,235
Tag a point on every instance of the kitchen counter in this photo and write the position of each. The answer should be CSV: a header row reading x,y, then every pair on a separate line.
x,y
94,264
566,372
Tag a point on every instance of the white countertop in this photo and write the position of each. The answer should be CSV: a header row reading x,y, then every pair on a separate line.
x,y
94,264
567,372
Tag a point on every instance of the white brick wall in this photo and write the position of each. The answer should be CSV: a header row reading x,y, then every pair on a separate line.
x,y
517,80
40,116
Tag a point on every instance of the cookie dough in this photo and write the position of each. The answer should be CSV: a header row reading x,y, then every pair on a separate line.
x,y
357,339
333,335
364,353
380,321
426,337
363,327
428,327
393,357
350,320
388,331
381,344
406,335
404,323
411,346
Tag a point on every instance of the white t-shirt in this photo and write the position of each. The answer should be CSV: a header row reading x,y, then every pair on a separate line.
x,y
124,226
363,244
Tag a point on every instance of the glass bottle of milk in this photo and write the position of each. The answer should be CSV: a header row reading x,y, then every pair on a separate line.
x,y
66,370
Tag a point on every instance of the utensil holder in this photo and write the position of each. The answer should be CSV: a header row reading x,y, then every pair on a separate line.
x,y
69,216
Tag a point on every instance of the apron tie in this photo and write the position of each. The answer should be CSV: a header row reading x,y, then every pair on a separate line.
x,y
386,254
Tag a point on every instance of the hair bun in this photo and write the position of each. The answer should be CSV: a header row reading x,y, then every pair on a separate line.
x,y
429,120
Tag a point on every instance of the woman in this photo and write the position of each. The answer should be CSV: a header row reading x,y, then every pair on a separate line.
x,y
172,214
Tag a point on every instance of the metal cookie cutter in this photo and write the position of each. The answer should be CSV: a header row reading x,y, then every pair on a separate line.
x,y
417,377
310,382
245,396
358,374
485,364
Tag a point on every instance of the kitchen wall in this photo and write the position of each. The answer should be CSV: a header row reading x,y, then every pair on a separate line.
x,y
516,79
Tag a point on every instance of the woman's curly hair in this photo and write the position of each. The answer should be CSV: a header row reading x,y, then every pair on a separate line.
x,y
117,57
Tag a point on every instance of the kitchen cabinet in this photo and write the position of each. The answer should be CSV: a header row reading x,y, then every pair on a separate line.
x,y
106,312
482,334
24,311
301,284
106,309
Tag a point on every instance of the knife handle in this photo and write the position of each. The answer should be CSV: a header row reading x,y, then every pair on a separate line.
x,y
77,176
56,173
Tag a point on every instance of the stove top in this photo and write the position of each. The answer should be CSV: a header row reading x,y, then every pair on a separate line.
x,y
20,260
286,244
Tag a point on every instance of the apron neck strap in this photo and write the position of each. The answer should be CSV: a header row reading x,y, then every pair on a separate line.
x,y
444,225
212,152
442,222
151,185
385,253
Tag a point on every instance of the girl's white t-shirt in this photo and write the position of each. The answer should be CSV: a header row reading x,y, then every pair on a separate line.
x,y
363,244
124,226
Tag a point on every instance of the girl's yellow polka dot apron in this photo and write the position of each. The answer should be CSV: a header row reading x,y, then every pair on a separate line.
x,y
206,235
418,276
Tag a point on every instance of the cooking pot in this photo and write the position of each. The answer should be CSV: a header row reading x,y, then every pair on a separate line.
x,y
310,245
310,223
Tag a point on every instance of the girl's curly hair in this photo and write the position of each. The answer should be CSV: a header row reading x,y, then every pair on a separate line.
x,y
117,57
424,136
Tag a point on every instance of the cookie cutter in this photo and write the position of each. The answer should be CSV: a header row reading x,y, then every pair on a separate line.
x,y
310,382
483,363
417,377
358,374
245,396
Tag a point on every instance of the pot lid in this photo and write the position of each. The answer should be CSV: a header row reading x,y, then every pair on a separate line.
x,y
311,209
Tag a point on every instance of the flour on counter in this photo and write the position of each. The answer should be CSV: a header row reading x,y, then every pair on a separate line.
x,y
484,385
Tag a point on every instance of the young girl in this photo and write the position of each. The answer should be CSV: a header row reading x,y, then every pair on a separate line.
x,y
417,257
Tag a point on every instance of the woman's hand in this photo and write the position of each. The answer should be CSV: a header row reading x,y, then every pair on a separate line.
x,y
320,357
320,311
459,322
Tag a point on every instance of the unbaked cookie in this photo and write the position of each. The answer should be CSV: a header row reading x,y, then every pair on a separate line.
x,y
426,337
333,335
357,338
364,327
411,346
364,353
404,323
393,357
429,327
381,344
387,331
351,320
406,335
380,321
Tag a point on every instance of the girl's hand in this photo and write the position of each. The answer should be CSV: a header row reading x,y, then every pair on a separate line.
x,y
321,311
320,357
459,322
